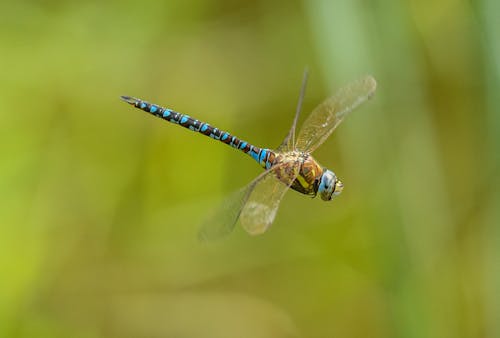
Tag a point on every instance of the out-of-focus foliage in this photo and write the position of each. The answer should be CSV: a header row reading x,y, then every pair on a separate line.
x,y
100,203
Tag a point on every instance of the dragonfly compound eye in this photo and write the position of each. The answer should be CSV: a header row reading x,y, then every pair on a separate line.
x,y
328,185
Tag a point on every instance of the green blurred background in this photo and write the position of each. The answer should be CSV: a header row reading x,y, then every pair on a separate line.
x,y
100,203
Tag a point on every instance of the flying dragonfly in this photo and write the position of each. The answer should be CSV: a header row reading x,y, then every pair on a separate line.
x,y
291,165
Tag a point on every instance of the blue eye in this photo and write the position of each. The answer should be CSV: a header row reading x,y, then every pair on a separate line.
x,y
327,185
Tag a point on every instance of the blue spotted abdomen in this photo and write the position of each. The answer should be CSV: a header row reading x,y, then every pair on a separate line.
x,y
265,157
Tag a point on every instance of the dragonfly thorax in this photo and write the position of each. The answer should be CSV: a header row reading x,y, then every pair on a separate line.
x,y
309,177
300,167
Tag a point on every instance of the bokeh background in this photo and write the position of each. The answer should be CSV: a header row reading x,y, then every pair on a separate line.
x,y
101,203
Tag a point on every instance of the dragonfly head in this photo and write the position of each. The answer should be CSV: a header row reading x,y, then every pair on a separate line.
x,y
329,185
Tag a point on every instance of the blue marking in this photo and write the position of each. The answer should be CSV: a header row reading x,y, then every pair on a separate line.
x,y
268,164
166,113
143,105
262,156
204,127
254,155
184,119
153,109
225,136
243,145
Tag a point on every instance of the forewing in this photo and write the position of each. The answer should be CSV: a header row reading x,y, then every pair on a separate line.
x,y
263,202
288,142
328,115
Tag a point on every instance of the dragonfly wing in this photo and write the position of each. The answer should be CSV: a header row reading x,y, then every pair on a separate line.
x,y
263,202
222,220
328,115
289,140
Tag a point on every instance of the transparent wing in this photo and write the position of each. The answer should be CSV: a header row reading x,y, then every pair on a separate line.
x,y
260,193
263,202
328,115
289,141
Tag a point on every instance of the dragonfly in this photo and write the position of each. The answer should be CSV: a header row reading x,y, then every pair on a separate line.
x,y
290,165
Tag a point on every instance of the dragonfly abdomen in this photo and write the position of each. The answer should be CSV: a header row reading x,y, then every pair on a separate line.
x,y
265,157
